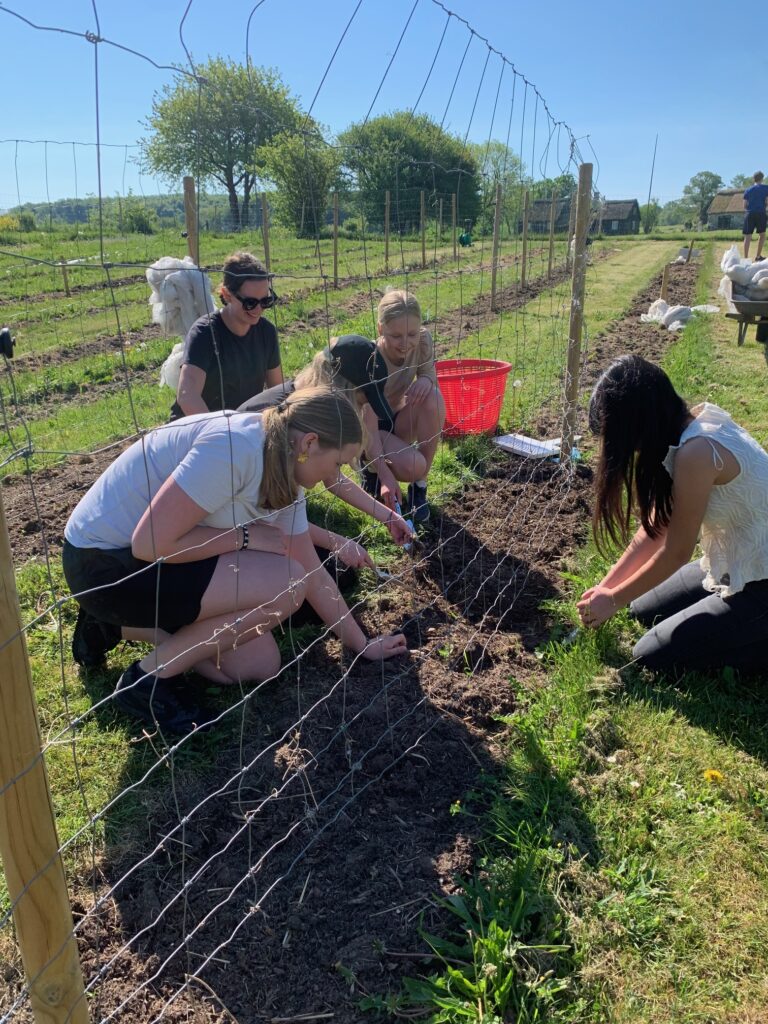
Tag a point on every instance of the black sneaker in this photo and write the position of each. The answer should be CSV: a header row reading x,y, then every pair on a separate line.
x,y
92,639
417,503
370,483
158,703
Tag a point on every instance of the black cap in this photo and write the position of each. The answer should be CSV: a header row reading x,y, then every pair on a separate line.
x,y
360,361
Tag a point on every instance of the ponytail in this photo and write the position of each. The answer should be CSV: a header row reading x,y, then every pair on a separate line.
x,y
324,411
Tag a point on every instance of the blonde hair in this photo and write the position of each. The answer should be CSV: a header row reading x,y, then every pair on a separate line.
x,y
319,410
323,372
397,302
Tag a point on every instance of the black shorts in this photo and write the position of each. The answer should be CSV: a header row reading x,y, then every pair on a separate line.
x,y
387,424
135,593
755,221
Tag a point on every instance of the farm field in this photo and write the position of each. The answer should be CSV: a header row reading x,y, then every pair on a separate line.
x,y
541,812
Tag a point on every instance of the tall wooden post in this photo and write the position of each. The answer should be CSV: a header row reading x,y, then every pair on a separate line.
x,y
265,229
524,268
386,230
495,257
335,239
190,220
552,219
423,231
690,252
440,221
29,845
665,282
578,282
571,223
453,222
600,218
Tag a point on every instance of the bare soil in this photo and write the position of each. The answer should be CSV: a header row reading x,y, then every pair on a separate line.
x,y
311,872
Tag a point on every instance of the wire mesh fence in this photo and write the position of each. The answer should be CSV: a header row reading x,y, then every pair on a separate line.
x,y
213,871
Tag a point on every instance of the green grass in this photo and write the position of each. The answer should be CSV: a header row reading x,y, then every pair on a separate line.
x,y
630,818
571,904
111,419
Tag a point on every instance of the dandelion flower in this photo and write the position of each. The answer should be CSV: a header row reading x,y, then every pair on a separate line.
x,y
713,775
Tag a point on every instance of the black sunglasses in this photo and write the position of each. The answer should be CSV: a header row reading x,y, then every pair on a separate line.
x,y
248,303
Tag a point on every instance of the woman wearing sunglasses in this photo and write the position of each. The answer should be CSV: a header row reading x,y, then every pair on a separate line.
x,y
232,354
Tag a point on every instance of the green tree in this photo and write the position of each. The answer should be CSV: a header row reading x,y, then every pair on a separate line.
x,y
650,214
677,211
742,181
498,165
218,129
701,190
303,169
406,154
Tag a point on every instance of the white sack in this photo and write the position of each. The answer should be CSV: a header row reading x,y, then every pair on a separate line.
x,y
180,294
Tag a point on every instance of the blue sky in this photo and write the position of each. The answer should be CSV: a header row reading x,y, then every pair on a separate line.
x,y
617,73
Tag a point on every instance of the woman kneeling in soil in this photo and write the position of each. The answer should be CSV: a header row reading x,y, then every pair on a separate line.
x,y
418,407
196,540
683,472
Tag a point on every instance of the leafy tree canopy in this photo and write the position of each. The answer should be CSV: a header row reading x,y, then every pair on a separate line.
x,y
217,130
742,181
303,169
650,215
405,154
701,190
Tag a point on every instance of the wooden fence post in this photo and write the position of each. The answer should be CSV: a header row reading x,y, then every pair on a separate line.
x,y
665,282
387,202
495,257
524,268
552,219
453,222
440,222
578,281
571,223
190,220
423,231
265,229
28,842
335,239
690,252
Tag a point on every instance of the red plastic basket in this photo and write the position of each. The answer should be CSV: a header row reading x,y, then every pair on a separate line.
x,y
473,390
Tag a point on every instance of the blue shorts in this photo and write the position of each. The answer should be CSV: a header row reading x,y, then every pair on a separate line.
x,y
755,220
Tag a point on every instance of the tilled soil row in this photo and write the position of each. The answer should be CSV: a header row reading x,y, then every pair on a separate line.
x,y
311,872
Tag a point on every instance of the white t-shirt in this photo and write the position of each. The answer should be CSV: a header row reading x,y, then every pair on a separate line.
x,y
217,459
734,531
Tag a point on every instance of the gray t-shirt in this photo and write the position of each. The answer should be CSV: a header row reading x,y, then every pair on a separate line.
x,y
217,459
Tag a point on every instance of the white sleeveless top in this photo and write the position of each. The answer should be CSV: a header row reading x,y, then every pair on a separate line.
x,y
734,532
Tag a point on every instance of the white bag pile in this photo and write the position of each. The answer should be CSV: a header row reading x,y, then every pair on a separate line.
x,y
674,318
750,280
181,294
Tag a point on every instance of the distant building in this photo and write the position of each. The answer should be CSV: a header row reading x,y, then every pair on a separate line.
x,y
726,211
616,217
539,212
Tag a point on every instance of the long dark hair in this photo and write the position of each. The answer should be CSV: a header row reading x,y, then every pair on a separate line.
x,y
637,414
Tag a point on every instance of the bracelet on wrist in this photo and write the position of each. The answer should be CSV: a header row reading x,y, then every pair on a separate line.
x,y
244,545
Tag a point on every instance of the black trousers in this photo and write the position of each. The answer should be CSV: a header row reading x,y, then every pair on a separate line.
x,y
692,628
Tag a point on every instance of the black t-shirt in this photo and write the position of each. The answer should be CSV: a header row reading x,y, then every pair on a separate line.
x,y
239,370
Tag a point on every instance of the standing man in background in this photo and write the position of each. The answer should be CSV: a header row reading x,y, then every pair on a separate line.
x,y
754,215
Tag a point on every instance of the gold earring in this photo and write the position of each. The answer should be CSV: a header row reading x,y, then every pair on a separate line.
x,y
302,457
